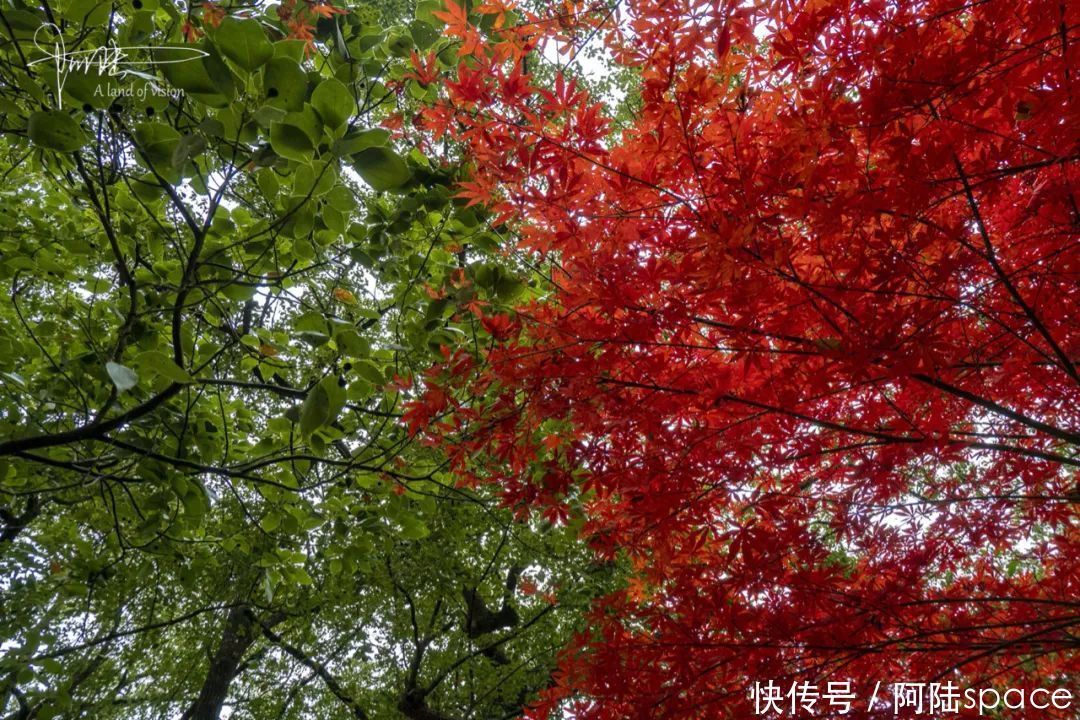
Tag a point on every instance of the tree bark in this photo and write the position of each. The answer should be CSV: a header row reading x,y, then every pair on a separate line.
x,y
236,638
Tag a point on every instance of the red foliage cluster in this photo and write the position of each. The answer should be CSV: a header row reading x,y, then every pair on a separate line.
x,y
811,359
298,17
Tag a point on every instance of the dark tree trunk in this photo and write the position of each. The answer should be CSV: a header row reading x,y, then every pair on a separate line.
x,y
236,637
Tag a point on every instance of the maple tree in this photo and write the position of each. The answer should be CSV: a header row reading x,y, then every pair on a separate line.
x,y
221,264
809,358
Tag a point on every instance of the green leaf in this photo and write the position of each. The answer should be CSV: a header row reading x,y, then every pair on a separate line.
x,y
359,390
308,121
55,130
88,13
290,48
351,342
315,410
244,42
268,182
311,320
369,371
334,219
313,338
285,84
195,500
268,588
381,168
88,87
335,394
314,180
508,287
358,140
334,103
158,143
219,73
426,9
160,364
207,78
423,33
291,142
124,378
147,188
188,147
400,44
341,198
300,576
413,528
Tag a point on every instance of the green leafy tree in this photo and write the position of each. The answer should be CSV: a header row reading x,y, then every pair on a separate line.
x,y
223,268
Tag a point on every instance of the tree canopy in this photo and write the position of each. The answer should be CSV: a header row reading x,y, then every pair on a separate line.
x,y
813,326
447,360
223,261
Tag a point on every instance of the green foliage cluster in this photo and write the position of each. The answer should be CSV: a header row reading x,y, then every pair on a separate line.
x,y
220,275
